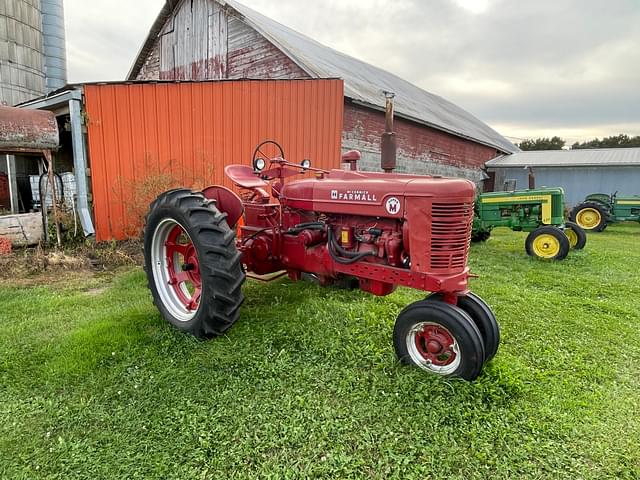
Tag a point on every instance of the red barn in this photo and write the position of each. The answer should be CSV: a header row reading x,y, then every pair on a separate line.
x,y
222,39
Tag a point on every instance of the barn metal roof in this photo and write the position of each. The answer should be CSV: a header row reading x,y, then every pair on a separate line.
x,y
364,83
600,157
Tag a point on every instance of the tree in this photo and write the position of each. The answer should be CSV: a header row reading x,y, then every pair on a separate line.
x,y
554,143
616,141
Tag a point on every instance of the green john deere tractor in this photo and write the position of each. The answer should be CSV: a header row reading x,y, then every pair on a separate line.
x,y
539,211
599,210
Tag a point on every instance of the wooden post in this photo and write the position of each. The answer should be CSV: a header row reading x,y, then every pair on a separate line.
x,y
54,199
13,184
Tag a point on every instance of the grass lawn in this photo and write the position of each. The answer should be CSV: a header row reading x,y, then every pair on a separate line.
x,y
93,384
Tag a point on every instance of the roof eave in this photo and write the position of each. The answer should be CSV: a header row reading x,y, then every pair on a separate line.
x,y
494,163
411,118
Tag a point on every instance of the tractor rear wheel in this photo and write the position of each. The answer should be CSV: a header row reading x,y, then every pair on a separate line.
x,y
591,216
192,263
576,235
482,316
549,243
439,338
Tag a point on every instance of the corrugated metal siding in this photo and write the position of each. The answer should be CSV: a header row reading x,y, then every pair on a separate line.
x,y
189,132
577,182
421,150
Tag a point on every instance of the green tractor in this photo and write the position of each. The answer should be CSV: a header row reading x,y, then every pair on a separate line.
x,y
539,211
599,210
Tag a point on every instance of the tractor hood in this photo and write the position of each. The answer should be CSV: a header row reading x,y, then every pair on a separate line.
x,y
371,194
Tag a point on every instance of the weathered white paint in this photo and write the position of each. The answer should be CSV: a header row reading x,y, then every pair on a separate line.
x,y
22,230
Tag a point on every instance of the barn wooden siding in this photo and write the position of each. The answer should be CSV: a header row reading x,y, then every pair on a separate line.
x,y
145,138
201,41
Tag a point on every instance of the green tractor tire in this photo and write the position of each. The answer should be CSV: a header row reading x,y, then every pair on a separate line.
x,y
591,216
548,243
576,235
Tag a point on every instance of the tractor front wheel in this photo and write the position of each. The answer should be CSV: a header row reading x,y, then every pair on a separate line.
x,y
549,243
576,235
481,236
482,316
439,338
591,216
192,263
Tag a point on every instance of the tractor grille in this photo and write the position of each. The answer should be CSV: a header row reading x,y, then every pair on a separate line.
x,y
450,236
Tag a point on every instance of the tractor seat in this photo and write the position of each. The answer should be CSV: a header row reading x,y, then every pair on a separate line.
x,y
244,176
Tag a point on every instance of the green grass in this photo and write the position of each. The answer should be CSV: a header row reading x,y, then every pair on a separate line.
x,y
93,384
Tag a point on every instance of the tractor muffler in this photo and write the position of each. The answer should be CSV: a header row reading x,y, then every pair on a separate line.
x,y
388,145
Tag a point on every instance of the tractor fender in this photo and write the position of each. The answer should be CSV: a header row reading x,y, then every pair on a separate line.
x,y
601,198
226,201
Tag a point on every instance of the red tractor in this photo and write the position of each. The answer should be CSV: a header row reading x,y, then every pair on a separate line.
x,y
372,231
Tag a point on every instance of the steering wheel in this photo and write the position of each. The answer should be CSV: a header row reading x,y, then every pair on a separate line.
x,y
266,158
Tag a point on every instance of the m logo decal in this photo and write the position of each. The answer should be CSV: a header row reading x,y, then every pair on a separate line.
x,y
393,206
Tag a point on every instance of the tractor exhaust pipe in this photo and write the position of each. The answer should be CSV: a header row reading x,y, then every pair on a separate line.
x,y
388,147
532,179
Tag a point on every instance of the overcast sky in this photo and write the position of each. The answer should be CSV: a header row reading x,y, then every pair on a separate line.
x,y
527,68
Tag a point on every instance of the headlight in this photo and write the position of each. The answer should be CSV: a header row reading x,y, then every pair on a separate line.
x,y
259,164
305,164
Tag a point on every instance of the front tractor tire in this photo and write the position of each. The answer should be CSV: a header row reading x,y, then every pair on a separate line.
x,y
439,338
576,235
548,243
481,236
482,316
192,264
591,216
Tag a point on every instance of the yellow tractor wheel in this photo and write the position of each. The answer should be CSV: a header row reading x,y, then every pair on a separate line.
x,y
576,235
590,216
548,243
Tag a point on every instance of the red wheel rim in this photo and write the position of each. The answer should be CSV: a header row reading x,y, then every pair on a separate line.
x,y
183,268
436,345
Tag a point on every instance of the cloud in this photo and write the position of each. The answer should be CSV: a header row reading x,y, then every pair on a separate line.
x,y
563,65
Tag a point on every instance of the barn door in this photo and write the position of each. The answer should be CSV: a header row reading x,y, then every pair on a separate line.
x,y
193,43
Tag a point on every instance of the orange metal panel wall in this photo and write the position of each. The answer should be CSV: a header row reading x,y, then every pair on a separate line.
x,y
144,138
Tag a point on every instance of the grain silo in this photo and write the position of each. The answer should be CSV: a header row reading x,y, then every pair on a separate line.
x,y
55,54
32,49
21,53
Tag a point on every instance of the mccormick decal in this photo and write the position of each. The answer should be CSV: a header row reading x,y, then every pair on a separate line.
x,y
354,195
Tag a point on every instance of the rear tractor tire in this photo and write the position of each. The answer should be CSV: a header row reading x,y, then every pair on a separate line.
x,y
591,216
192,263
576,235
547,242
439,338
